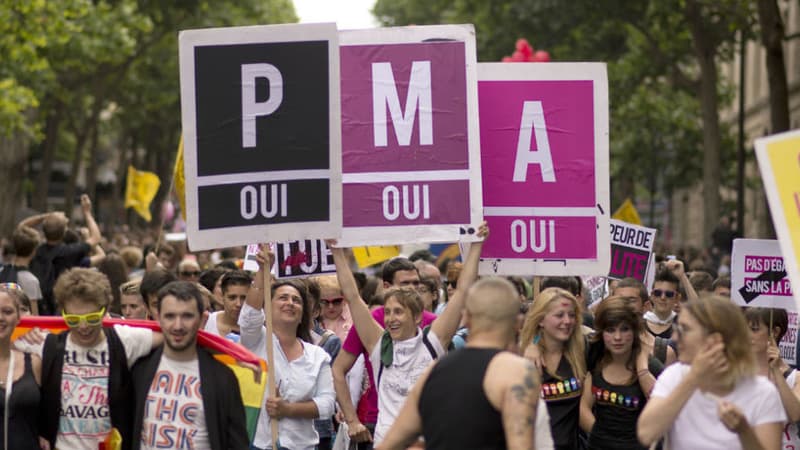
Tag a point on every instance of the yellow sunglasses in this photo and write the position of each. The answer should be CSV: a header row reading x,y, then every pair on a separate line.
x,y
92,319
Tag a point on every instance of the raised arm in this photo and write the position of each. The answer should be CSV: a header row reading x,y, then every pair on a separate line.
x,y
264,258
94,231
447,323
676,267
35,221
368,329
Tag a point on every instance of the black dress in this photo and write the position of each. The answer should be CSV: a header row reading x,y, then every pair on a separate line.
x,y
616,410
23,411
563,398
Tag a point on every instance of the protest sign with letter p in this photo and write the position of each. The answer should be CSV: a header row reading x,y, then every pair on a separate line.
x,y
262,136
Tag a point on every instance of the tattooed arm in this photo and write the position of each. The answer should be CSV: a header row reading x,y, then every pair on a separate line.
x,y
519,407
512,386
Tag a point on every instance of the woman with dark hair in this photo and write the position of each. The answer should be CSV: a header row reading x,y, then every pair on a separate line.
x,y
302,370
771,365
617,388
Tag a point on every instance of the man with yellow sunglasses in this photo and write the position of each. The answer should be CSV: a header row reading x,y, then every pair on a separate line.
x,y
86,370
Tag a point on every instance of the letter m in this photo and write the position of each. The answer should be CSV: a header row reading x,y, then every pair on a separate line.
x,y
418,98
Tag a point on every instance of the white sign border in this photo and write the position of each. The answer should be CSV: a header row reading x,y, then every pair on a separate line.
x,y
590,71
243,235
756,247
412,234
790,259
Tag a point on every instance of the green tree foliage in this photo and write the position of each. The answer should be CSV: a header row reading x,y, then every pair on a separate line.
x,y
85,80
662,91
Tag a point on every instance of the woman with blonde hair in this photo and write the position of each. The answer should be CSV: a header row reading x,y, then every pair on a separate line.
x,y
552,338
713,398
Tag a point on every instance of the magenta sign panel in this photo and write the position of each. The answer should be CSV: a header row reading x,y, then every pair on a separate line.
x,y
410,154
544,157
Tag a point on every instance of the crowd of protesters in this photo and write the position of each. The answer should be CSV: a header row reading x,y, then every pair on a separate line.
x,y
411,355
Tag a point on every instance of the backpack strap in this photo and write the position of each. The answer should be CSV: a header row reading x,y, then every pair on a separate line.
x,y
427,342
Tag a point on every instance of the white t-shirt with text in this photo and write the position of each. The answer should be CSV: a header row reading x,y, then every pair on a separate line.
x,y
85,419
173,412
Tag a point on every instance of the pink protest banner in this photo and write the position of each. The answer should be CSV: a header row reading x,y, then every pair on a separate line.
x,y
544,156
410,145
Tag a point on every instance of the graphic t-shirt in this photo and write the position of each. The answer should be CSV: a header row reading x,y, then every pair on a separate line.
x,y
563,397
84,417
173,413
410,358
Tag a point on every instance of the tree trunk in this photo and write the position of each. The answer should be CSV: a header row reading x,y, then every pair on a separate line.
x,y
91,168
48,146
14,151
705,51
772,33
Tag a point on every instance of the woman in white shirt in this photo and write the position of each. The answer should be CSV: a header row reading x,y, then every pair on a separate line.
x,y
713,398
400,353
302,370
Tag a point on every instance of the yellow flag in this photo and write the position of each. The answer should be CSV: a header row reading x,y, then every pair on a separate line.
x,y
141,189
368,256
627,213
178,181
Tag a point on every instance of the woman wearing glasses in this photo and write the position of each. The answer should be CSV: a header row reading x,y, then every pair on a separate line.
x,y
302,370
713,398
20,375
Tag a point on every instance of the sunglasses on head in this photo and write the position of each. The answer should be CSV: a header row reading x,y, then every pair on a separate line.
x,y
92,319
333,301
660,293
10,286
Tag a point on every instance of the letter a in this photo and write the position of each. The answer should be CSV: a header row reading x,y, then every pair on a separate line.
x,y
533,123
252,109
384,94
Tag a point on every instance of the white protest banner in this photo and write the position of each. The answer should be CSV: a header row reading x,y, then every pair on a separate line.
x,y
544,157
758,275
779,162
262,133
631,250
410,146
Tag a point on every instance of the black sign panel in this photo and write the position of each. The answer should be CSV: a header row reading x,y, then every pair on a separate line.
x,y
242,204
291,109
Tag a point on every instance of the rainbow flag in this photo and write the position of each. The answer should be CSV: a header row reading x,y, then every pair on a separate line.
x,y
250,371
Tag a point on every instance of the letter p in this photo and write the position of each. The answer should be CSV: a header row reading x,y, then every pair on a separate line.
x,y
250,107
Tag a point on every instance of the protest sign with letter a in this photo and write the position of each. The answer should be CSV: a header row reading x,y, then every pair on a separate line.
x,y
544,157
410,147
262,134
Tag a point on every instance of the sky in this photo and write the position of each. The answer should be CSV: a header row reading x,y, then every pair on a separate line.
x,y
347,14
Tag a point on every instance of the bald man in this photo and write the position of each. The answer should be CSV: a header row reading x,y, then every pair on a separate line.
x,y
481,396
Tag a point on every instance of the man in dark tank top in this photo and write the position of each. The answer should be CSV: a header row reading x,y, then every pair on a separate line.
x,y
479,397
